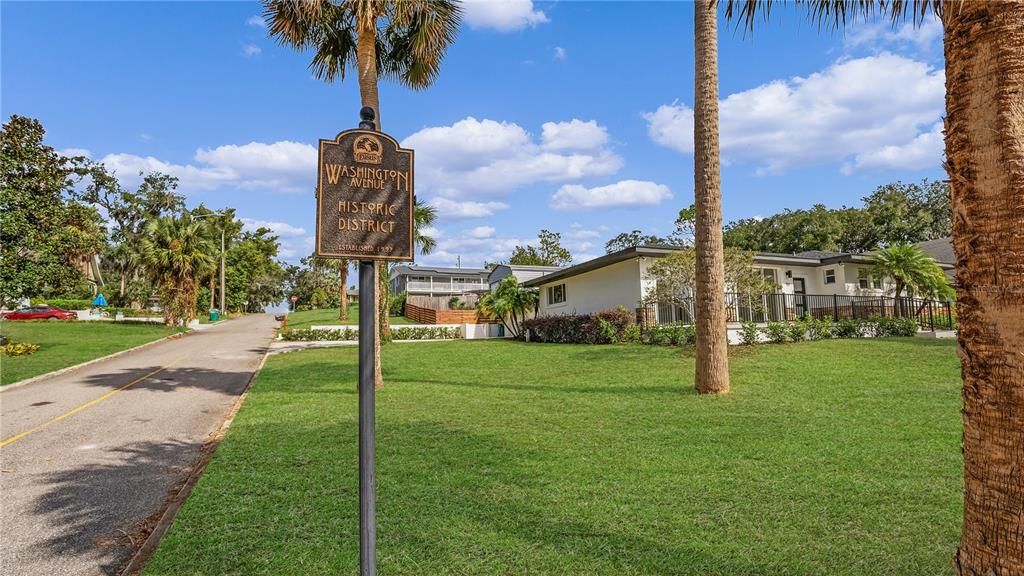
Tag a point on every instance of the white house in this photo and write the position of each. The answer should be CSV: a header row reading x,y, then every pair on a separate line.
x,y
435,281
832,283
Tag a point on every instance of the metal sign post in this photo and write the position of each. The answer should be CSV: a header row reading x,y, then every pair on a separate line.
x,y
364,212
367,424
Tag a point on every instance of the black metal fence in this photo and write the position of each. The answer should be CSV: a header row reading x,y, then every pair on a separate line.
x,y
929,314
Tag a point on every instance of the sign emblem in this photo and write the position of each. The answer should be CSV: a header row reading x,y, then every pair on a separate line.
x,y
364,204
367,149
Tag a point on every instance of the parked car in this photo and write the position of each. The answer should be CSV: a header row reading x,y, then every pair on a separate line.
x,y
40,313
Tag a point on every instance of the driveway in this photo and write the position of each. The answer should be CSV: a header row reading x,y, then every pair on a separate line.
x,y
86,457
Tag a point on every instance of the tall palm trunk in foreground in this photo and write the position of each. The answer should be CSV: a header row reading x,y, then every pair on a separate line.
x,y
712,373
984,48
366,60
343,306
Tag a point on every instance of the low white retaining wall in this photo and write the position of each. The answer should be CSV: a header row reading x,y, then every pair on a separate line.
x,y
469,331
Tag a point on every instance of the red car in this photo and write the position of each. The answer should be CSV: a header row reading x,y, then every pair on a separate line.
x,y
40,313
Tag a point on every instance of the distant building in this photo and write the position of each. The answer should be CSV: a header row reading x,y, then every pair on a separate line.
x,y
521,272
437,281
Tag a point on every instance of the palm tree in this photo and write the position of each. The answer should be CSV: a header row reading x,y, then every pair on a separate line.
x,y
911,269
404,41
712,362
509,303
984,49
177,254
342,266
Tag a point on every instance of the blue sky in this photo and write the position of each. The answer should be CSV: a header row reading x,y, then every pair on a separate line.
x,y
570,116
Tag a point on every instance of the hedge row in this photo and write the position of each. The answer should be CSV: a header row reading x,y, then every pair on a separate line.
x,y
603,327
825,328
397,333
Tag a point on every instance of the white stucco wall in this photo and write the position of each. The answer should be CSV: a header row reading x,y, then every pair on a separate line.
x,y
603,289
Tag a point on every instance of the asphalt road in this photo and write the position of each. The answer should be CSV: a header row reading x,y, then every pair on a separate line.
x,y
89,455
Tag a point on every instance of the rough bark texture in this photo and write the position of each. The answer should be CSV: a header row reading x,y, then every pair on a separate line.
x,y
712,376
984,45
343,307
366,56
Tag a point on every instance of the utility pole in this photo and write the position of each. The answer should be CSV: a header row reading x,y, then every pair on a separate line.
x,y
222,299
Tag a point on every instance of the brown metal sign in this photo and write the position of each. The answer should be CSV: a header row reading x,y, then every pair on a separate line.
x,y
364,201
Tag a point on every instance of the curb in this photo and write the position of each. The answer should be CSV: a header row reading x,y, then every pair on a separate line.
x,y
178,496
67,369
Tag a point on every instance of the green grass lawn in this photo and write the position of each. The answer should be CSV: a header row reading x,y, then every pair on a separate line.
x,y
329,316
63,344
838,457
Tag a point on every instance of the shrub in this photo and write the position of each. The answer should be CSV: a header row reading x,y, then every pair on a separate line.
x,y
776,332
397,333
749,333
19,348
820,328
425,333
850,328
797,330
65,303
604,327
396,305
889,326
632,334
671,335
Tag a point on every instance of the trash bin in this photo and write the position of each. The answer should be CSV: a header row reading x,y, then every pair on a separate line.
x,y
214,315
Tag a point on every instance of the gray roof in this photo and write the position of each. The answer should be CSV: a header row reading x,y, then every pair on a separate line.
x,y
808,258
819,254
941,249
417,270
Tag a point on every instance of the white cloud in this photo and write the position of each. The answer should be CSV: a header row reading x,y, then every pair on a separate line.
x,y
625,193
256,21
502,15
880,35
456,210
478,158
671,125
481,232
283,166
581,233
280,229
559,53
573,135
295,248
922,152
72,152
849,109
250,50
469,251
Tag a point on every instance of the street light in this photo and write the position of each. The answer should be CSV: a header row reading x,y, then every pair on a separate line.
x,y
222,306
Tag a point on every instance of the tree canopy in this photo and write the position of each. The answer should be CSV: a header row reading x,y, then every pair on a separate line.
x,y
550,252
44,232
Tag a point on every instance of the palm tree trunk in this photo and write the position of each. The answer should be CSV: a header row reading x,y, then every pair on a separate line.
x,y
213,284
366,56
984,49
712,371
343,310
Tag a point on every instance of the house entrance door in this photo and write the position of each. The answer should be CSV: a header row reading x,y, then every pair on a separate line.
x,y
799,297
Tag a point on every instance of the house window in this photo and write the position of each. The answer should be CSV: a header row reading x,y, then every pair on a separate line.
x,y
556,294
864,278
770,275
830,276
878,283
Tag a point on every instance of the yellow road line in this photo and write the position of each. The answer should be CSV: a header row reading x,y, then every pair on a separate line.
x,y
90,403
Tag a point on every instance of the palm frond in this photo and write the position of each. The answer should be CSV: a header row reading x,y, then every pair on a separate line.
x,y
835,13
